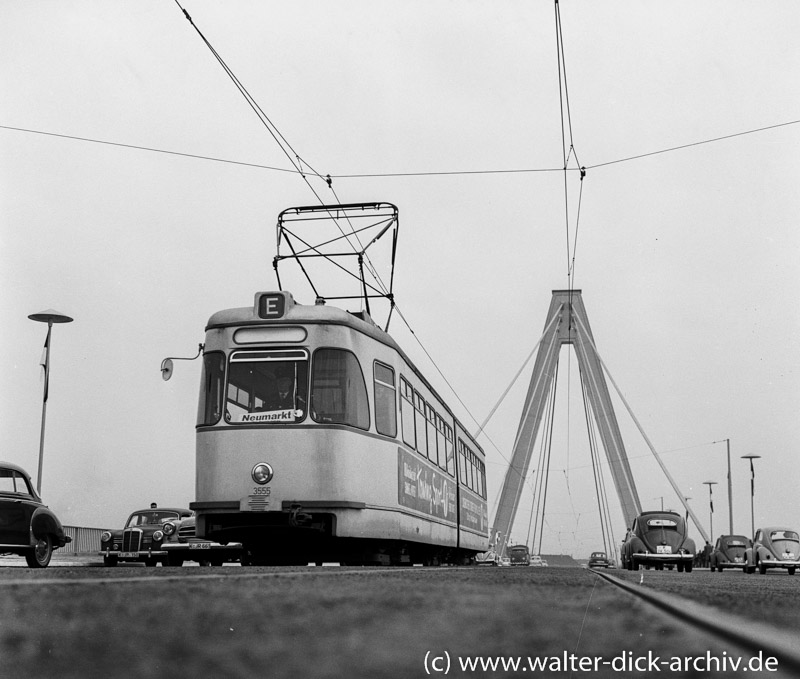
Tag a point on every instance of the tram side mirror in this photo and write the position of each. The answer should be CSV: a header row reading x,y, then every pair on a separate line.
x,y
167,365
166,368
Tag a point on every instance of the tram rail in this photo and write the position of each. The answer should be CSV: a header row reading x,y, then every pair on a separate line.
x,y
748,635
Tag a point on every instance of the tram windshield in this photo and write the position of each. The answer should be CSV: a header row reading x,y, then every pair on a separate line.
x,y
267,387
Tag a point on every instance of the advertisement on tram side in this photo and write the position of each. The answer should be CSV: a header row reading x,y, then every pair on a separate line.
x,y
424,489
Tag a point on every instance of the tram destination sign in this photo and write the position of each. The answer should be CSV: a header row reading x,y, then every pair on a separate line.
x,y
271,305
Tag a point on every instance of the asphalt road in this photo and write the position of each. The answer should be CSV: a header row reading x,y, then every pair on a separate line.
x,y
68,621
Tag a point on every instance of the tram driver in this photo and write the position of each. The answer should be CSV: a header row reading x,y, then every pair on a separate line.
x,y
285,396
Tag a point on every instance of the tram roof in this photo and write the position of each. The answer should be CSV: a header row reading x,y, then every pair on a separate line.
x,y
320,314
296,313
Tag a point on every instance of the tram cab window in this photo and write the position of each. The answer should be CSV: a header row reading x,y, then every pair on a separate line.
x,y
211,388
385,400
338,389
267,387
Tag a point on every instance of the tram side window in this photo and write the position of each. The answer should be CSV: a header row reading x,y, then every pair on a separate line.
x,y
211,388
407,413
440,442
419,418
448,444
462,463
481,475
338,389
385,400
430,416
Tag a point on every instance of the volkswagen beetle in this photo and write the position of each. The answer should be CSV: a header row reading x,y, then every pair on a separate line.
x,y
658,539
730,551
27,526
774,547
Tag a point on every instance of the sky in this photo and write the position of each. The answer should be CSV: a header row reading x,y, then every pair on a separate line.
x,y
687,259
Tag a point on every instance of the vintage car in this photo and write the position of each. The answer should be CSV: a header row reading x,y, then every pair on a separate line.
x,y
730,551
27,527
519,555
774,548
599,560
658,539
166,536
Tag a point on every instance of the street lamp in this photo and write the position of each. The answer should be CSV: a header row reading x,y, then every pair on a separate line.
x,y
730,487
752,491
50,316
710,507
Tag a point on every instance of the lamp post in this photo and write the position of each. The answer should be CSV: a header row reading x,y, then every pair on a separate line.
x,y
730,487
49,316
752,491
710,507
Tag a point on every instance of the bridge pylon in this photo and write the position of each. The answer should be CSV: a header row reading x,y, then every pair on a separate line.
x,y
567,323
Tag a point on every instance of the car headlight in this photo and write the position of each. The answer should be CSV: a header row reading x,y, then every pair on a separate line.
x,y
262,473
168,528
158,536
105,536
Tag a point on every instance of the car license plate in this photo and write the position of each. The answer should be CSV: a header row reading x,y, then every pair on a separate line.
x,y
663,549
129,555
788,555
200,545
738,559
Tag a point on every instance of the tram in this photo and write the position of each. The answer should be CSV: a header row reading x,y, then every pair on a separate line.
x,y
319,440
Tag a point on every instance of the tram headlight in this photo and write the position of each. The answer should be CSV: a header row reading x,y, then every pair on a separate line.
x,y
168,528
262,473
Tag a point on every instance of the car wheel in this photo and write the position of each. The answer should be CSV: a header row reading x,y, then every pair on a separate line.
x,y
762,568
174,561
680,568
791,570
151,562
687,568
41,554
110,560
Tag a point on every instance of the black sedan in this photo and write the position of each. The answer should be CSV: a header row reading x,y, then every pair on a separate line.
x,y
599,560
27,527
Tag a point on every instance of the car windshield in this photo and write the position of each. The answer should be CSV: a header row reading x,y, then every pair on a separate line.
x,y
152,517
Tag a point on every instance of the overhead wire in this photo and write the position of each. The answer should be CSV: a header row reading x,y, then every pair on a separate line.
x,y
380,175
299,163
